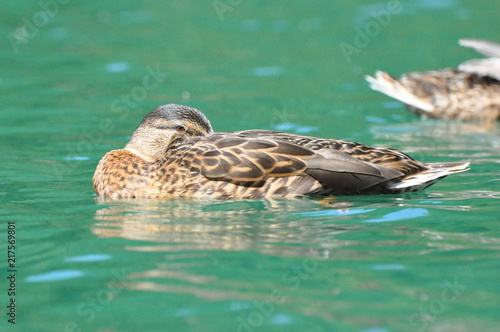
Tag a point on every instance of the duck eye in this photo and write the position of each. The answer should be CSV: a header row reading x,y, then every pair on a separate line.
x,y
180,128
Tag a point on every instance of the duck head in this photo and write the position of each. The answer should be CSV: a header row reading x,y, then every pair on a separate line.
x,y
164,127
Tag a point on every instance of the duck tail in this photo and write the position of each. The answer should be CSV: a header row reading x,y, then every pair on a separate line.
x,y
385,83
435,172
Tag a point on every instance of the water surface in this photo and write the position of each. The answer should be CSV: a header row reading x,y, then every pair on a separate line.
x,y
73,88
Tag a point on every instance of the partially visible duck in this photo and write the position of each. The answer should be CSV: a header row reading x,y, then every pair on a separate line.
x,y
175,153
470,92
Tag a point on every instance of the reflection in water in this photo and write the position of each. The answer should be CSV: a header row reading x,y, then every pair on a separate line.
x,y
213,225
294,228
289,228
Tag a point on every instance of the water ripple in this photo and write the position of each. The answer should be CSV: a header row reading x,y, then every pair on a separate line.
x,y
55,276
401,215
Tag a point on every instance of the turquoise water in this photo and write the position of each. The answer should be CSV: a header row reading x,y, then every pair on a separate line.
x,y
75,86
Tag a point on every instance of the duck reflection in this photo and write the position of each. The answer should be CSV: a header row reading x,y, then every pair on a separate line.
x,y
290,228
212,225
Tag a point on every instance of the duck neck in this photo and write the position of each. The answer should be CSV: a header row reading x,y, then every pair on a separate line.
x,y
147,147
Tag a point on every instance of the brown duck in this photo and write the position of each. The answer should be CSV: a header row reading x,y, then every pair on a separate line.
x,y
470,92
175,153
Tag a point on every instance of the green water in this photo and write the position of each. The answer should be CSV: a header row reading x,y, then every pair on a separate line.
x,y
76,87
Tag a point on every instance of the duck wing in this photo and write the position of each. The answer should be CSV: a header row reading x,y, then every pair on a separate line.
x,y
382,156
251,159
484,47
239,159
489,67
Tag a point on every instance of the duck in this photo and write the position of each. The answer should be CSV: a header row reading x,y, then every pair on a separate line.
x,y
174,153
467,93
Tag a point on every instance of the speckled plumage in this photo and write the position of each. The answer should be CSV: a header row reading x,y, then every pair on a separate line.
x,y
175,153
471,92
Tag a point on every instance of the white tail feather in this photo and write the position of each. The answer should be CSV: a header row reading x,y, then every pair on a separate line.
x,y
384,83
436,172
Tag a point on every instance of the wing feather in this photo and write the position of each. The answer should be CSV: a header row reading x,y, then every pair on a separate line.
x,y
250,159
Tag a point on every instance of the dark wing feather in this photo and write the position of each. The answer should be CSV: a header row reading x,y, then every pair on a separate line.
x,y
344,174
215,167
287,166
